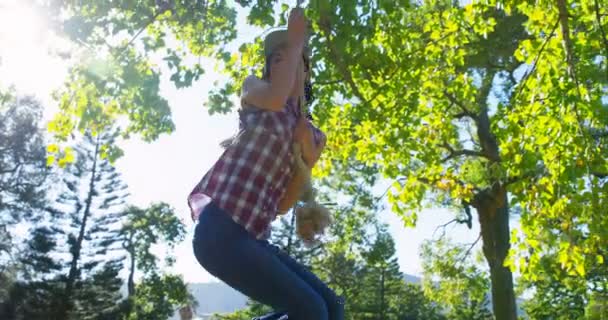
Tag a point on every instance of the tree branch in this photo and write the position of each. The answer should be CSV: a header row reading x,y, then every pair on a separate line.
x,y
466,254
380,197
487,139
445,225
599,25
465,111
461,115
13,170
458,153
527,75
144,27
601,175
335,55
567,43
563,21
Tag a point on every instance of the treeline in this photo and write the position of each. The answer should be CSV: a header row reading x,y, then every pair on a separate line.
x,y
71,245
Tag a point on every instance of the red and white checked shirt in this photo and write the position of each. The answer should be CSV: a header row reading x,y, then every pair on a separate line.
x,y
250,177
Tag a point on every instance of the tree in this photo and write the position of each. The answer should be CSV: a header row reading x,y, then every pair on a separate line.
x,y
141,229
359,260
156,297
93,198
113,75
144,228
22,165
37,287
432,96
383,280
415,304
453,282
557,293
23,178
486,105
598,307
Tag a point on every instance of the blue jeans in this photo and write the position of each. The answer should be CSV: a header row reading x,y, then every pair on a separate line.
x,y
261,271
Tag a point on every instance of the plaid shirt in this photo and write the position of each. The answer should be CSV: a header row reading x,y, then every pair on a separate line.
x,y
250,177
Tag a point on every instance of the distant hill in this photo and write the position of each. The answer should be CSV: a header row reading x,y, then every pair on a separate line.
x,y
215,297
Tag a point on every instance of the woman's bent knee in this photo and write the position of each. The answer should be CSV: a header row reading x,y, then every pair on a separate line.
x,y
335,308
313,307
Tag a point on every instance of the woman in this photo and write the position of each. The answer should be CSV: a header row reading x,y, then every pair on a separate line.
x,y
253,181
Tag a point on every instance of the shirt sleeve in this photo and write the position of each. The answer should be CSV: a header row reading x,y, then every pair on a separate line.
x,y
317,134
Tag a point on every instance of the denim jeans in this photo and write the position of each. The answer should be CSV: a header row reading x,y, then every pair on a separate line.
x,y
260,270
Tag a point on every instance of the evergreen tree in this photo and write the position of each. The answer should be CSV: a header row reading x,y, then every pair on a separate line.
x,y
22,162
22,173
412,304
93,198
383,279
39,288
23,182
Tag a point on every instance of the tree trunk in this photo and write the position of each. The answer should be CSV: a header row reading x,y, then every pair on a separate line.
x,y
493,211
382,295
72,275
131,281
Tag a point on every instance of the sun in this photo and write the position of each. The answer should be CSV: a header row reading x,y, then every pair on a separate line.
x,y
25,43
20,25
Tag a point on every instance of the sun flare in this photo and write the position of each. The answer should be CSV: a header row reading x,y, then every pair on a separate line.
x,y
25,46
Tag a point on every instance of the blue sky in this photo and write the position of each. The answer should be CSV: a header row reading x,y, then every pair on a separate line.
x,y
167,169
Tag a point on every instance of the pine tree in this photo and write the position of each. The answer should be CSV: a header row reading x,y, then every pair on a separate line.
x,y
383,280
39,288
23,183
22,162
22,174
93,197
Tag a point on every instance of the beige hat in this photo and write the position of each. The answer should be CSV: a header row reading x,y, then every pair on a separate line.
x,y
276,38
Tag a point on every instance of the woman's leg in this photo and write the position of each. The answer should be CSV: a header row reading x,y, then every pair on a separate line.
x,y
228,252
335,304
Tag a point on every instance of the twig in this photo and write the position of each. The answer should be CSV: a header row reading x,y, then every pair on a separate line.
x,y
455,220
139,32
380,197
466,254
336,54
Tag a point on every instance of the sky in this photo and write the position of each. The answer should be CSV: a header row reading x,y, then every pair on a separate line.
x,y
168,168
